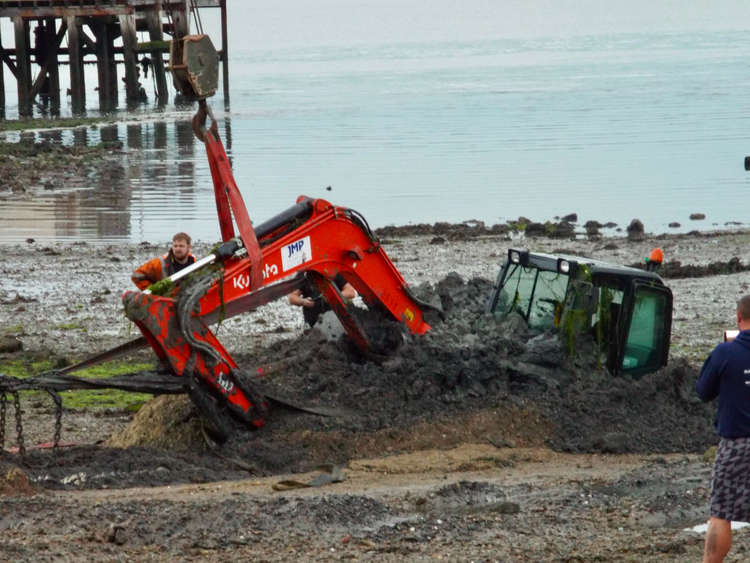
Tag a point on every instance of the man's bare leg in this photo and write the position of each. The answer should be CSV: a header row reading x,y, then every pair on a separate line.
x,y
718,540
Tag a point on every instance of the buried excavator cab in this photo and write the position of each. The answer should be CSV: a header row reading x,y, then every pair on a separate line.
x,y
627,311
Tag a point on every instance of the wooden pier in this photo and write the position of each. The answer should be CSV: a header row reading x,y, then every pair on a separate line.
x,y
101,32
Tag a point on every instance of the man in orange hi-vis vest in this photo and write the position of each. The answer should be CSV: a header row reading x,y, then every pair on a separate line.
x,y
156,269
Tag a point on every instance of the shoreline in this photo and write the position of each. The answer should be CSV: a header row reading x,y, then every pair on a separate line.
x,y
47,287
451,231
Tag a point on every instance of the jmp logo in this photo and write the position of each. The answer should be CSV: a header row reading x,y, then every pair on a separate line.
x,y
295,247
296,253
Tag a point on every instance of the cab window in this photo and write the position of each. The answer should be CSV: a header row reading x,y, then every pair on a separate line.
x,y
648,330
532,293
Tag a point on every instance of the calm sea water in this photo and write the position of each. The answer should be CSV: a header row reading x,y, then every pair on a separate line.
x,y
610,124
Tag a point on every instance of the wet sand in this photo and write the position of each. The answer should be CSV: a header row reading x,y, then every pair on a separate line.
x,y
429,471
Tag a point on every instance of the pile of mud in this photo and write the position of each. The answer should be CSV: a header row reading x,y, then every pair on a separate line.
x,y
471,361
469,379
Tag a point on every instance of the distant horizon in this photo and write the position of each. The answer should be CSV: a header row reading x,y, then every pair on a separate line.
x,y
340,22
294,24
301,22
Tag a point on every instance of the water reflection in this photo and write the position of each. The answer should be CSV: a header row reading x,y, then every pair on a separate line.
x,y
51,136
135,136
146,189
80,137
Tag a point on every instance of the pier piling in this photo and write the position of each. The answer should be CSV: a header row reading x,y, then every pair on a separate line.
x,y
55,33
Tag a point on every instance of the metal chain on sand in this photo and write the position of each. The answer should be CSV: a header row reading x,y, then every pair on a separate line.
x,y
58,418
3,403
19,424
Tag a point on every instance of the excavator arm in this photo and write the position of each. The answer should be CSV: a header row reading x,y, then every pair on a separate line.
x,y
313,239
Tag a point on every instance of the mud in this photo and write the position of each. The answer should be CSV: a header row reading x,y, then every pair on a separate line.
x,y
470,442
32,167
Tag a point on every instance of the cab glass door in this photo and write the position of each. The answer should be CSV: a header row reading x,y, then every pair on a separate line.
x,y
647,344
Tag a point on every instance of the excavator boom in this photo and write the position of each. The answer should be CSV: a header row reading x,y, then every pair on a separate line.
x,y
312,241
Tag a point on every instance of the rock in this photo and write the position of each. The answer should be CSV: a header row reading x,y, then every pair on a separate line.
x,y
116,534
635,230
14,481
563,229
10,344
505,507
613,442
535,229
514,326
592,228
544,349
330,326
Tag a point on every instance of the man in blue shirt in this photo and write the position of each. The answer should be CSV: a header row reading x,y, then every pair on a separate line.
x,y
726,375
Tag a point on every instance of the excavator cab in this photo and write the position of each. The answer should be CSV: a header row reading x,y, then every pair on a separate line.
x,y
626,311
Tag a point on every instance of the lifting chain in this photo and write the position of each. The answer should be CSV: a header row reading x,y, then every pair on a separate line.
x,y
19,424
58,418
8,386
19,420
3,402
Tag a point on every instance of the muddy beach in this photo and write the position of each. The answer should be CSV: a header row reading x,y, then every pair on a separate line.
x,y
444,451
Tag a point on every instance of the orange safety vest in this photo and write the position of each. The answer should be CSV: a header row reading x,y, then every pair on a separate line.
x,y
157,269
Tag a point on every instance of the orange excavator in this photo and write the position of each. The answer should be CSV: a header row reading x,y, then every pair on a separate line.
x,y
312,240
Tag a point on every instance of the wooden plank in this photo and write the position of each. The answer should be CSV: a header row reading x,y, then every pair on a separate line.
x,y
180,20
154,22
161,46
2,83
75,59
173,3
129,41
62,12
97,6
145,4
114,84
224,51
5,55
104,58
53,71
23,66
